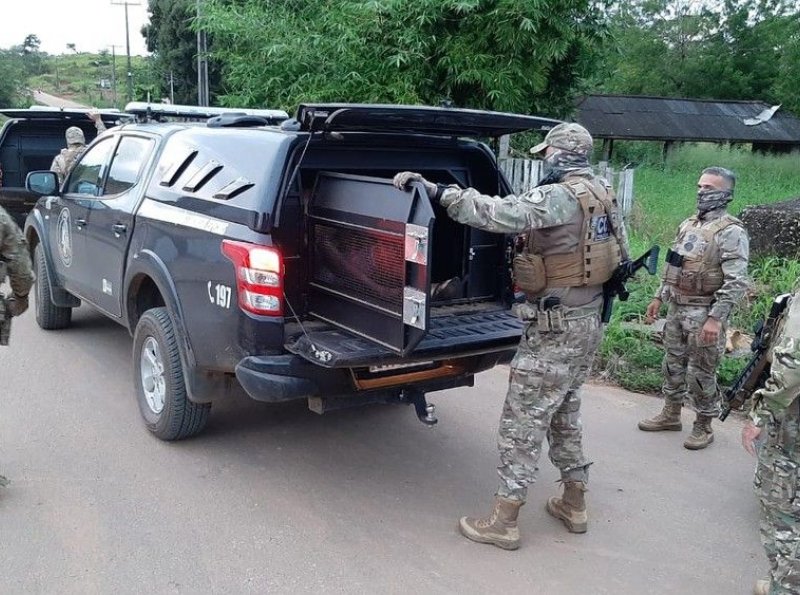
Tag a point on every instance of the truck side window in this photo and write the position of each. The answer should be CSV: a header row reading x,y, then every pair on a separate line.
x,y
87,175
130,157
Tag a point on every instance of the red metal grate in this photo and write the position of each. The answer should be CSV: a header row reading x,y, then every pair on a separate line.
x,y
365,264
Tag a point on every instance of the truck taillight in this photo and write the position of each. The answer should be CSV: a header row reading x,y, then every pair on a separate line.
x,y
259,277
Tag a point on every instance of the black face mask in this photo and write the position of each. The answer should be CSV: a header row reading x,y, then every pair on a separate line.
x,y
558,164
710,200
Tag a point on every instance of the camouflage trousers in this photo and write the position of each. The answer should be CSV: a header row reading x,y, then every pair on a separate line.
x,y
543,402
777,484
690,369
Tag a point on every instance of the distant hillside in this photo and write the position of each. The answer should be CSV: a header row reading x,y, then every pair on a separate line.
x,y
87,78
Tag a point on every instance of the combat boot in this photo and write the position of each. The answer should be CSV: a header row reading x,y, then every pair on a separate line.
x,y
762,587
702,435
571,507
499,529
668,419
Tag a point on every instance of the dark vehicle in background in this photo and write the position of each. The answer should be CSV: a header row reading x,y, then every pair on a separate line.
x,y
29,140
273,256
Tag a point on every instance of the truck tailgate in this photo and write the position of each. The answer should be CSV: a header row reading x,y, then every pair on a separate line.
x,y
450,335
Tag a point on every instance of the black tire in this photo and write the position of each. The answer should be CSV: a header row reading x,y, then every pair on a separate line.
x,y
48,316
167,411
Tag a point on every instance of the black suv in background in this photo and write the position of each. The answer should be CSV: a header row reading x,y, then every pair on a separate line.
x,y
29,140
278,259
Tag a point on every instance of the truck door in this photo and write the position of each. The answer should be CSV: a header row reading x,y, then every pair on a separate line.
x,y
110,222
69,214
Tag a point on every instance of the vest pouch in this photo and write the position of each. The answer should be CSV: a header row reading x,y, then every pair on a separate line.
x,y
689,282
529,273
711,281
672,274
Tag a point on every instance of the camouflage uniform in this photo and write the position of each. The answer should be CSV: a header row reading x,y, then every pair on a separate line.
x,y
689,367
550,365
76,146
563,220
777,478
15,260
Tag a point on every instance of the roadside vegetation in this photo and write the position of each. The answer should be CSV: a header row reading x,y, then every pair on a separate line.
x,y
86,78
664,196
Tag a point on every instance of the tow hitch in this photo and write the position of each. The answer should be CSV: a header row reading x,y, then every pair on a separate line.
x,y
423,409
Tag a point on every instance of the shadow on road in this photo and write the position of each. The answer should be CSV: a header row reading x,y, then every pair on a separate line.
x,y
245,426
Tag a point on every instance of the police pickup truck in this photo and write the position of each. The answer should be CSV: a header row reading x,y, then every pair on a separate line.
x,y
272,255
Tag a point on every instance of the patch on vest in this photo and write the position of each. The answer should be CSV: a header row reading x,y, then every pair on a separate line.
x,y
601,229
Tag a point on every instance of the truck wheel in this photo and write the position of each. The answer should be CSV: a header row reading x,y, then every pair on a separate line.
x,y
48,316
158,373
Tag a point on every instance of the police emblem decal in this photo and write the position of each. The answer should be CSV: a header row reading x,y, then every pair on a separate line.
x,y
601,228
65,237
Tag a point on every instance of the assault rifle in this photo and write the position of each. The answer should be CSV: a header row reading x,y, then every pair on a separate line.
x,y
615,287
757,370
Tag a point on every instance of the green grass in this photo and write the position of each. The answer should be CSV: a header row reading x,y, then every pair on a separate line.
x,y
664,196
77,76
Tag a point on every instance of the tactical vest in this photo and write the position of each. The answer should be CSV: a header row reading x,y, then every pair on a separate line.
x,y
585,251
700,274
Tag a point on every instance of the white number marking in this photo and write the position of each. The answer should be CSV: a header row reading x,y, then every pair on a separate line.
x,y
220,295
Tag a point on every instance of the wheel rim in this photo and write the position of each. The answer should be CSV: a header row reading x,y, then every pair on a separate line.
x,y
151,367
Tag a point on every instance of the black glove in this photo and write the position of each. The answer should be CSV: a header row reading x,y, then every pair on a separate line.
x,y
17,304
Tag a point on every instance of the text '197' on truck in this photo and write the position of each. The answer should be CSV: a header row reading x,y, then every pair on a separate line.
x,y
260,253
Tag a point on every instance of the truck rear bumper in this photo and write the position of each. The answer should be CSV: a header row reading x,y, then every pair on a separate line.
x,y
279,378
274,379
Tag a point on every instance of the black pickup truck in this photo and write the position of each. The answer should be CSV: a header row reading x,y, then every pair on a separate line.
x,y
277,258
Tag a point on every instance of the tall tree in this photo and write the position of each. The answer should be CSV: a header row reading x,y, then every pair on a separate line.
x,y
32,57
517,55
734,49
171,36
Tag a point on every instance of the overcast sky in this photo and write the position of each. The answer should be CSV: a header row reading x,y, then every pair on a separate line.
x,y
90,24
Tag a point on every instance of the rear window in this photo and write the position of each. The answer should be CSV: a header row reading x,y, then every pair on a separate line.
x,y
235,168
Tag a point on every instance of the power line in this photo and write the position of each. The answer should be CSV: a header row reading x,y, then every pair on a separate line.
x,y
125,3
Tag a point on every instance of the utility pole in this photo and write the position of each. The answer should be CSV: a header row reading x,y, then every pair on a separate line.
x,y
171,88
125,3
202,64
114,74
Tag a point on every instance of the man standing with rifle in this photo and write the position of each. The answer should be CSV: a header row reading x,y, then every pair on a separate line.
x,y
15,262
774,433
571,215
704,277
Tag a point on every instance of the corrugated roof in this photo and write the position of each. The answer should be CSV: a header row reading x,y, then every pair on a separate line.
x,y
633,117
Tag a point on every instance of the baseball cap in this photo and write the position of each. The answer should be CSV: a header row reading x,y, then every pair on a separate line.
x,y
568,136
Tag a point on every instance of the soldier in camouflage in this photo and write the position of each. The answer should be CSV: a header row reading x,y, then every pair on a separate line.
x,y
705,276
570,213
15,262
76,146
774,432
